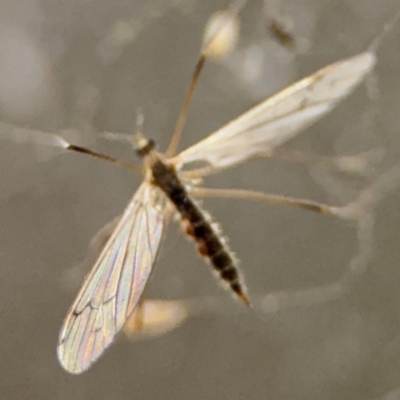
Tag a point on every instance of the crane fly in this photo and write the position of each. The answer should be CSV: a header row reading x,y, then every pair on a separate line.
x,y
113,289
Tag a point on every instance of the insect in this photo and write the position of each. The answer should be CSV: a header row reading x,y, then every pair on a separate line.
x,y
113,289
280,32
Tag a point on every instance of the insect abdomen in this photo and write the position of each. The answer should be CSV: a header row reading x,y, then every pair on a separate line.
x,y
211,245
197,224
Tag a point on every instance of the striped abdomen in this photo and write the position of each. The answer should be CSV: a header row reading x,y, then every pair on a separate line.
x,y
197,224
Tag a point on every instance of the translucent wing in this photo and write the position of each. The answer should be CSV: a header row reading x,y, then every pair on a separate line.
x,y
113,288
274,121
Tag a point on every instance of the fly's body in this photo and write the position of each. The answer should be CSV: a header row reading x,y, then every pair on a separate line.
x,y
197,223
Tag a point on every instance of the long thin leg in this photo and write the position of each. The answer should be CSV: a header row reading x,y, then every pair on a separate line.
x,y
173,146
101,237
23,135
72,276
267,198
115,161
355,164
358,164
353,211
233,11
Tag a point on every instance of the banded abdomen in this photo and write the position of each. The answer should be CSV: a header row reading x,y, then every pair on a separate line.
x,y
198,225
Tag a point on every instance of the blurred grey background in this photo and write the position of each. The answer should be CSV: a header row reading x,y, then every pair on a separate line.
x,y
86,67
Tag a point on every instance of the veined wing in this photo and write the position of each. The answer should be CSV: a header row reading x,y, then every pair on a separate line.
x,y
261,129
113,288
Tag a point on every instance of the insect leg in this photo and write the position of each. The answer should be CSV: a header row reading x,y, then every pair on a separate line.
x,y
210,47
267,198
77,273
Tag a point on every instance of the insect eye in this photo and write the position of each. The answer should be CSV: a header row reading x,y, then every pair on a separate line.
x,y
151,144
146,148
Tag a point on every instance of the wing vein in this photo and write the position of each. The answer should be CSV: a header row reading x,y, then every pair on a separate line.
x,y
113,288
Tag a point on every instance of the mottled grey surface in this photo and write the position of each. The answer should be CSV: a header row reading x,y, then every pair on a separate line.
x,y
58,71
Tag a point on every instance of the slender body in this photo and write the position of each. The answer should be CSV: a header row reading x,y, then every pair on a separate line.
x,y
195,221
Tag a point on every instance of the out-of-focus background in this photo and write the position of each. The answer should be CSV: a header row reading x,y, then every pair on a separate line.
x,y
83,67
